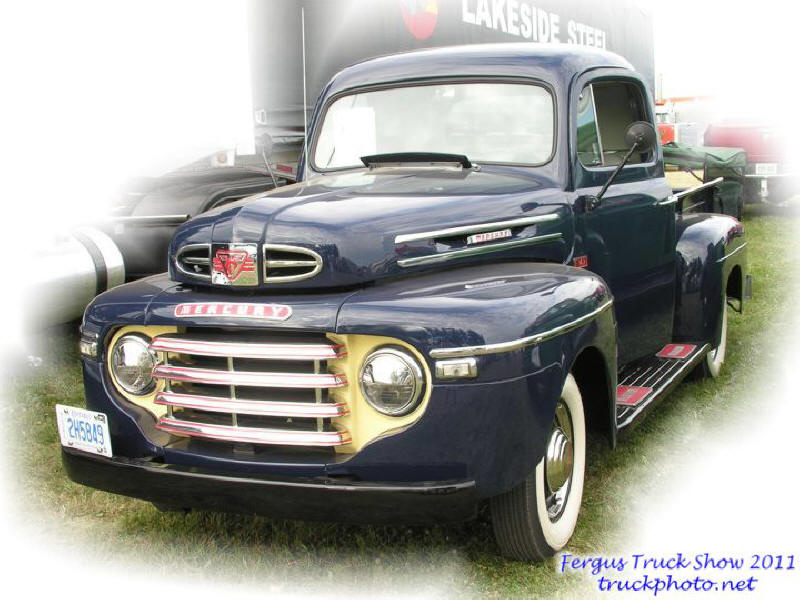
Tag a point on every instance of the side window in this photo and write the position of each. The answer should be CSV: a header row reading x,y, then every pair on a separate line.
x,y
590,153
614,106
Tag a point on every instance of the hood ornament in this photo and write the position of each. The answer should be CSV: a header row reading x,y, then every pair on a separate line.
x,y
234,264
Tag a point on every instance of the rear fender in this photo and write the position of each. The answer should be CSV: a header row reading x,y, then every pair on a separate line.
x,y
711,266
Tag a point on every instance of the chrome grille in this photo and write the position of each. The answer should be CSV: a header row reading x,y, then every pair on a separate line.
x,y
255,389
194,260
283,264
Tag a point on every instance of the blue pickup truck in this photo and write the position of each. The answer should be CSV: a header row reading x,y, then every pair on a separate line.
x,y
481,262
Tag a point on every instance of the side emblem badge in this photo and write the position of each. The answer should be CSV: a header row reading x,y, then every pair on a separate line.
x,y
234,264
581,261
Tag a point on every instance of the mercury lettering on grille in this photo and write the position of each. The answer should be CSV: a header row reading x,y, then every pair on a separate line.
x,y
271,312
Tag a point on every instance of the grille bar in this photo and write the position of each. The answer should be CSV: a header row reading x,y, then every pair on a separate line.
x,y
234,387
262,408
248,350
287,264
253,379
254,435
295,258
194,260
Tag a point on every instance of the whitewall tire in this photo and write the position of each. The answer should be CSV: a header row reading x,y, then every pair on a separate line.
x,y
536,519
716,356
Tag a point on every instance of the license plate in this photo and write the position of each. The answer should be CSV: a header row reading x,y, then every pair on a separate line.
x,y
766,168
83,429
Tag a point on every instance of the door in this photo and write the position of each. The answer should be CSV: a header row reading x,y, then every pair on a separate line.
x,y
630,238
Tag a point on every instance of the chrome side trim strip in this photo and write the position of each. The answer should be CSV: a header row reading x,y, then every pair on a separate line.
x,y
253,435
696,188
254,379
729,254
248,350
187,248
251,407
477,228
530,340
477,250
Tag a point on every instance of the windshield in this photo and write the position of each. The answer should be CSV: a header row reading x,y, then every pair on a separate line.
x,y
486,122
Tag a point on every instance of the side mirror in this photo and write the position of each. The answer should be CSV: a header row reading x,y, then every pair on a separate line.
x,y
641,136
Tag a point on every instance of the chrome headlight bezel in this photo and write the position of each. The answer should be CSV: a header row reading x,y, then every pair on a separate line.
x,y
392,360
144,384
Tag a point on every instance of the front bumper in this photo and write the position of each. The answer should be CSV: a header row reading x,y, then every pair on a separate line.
x,y
313,499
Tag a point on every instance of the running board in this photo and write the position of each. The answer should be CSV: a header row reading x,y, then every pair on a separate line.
x,y
646,381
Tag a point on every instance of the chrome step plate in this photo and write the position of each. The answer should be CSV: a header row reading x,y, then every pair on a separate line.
x,y
649,379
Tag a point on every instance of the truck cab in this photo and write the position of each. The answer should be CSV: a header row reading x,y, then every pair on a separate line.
x,y
481,261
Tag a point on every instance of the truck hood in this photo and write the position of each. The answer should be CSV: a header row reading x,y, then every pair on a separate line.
x,y
363,225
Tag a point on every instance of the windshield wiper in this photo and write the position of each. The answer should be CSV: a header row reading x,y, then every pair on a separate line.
x,y
418,159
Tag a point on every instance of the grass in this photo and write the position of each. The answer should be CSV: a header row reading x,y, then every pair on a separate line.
x,y
283,555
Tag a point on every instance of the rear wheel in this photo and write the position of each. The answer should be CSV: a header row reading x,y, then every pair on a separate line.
x,y
712,366
536,519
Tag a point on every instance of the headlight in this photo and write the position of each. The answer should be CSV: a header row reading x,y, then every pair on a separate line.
x,y
132,365
392,381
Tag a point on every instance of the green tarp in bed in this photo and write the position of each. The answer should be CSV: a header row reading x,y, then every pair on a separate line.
x,y
728,163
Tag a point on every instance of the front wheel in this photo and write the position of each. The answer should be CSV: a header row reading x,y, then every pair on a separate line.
x,y
535,519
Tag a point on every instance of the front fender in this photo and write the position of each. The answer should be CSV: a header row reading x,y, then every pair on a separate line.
x,y
709,249
498,423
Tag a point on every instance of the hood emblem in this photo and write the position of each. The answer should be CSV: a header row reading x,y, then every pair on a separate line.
x,y
269,312
489,236
234,264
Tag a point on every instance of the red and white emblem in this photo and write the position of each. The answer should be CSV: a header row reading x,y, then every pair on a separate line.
x,y
676,351
489,236
234,264
632,395
269,312
581,261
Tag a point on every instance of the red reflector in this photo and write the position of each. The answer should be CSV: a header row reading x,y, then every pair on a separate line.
x,y
676,351
581,261
284,168
631,395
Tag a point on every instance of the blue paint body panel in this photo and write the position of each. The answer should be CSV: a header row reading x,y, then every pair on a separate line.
x,y
500,418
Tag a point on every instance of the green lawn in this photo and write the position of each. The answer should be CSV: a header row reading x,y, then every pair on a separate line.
x,y
283,555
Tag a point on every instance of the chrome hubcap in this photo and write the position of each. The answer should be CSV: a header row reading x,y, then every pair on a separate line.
x,y
558,462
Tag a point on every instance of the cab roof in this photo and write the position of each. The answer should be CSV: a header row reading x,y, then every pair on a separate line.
x,y
554,63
